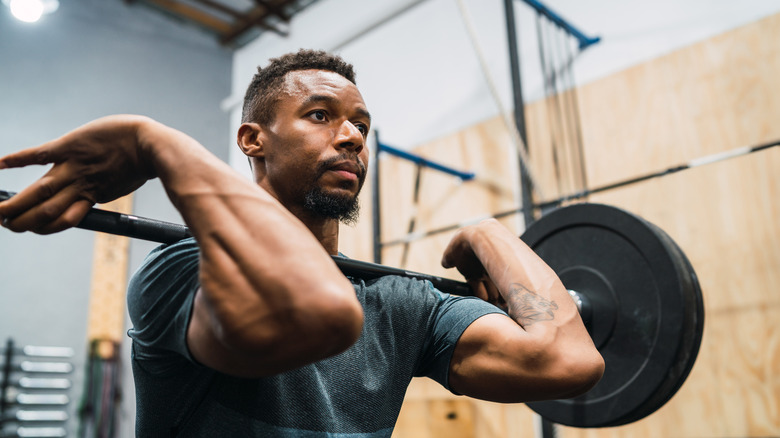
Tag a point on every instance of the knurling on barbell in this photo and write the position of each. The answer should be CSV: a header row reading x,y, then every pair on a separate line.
x,y
645,308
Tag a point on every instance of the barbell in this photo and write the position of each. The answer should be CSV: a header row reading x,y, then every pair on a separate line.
x,y
636,291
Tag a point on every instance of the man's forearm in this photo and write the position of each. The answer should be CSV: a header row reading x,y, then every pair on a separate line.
x,y
532,292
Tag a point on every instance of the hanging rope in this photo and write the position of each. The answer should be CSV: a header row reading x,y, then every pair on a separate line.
x,y
556,59
517,141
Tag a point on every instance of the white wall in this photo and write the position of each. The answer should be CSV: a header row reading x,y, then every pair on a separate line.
x,y
419,73
90,59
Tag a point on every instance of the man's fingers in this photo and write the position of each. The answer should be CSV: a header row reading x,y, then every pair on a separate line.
x,y
448,258
495,295
484,288
454,251
42,154
53,213
38,193
478,287
69,219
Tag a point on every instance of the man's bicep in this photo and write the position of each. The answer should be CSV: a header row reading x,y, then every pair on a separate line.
x,y
491,361
497,360
450,319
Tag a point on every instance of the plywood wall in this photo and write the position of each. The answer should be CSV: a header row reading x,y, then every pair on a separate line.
x,y
711,97
717,95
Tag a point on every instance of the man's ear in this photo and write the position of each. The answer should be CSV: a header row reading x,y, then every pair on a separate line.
x,y
251,140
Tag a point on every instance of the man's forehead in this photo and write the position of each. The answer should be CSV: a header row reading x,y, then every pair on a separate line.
x,y
317,81
303,87
302,76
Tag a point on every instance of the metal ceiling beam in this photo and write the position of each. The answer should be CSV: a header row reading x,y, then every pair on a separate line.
x,y
253,18
225,20
193,14
221,8
277,10
373,25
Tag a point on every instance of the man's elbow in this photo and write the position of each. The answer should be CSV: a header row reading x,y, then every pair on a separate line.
x,y
293,336
584,372
341,326
321,329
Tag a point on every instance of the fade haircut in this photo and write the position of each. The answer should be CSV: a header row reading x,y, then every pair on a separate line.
x,y
267,85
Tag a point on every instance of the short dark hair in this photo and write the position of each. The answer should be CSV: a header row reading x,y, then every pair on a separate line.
x,y
264,90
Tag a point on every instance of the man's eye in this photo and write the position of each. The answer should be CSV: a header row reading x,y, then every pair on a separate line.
x,y
318,115
362,128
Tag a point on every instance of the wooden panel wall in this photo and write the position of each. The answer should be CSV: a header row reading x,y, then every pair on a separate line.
x,y
713,96
108,291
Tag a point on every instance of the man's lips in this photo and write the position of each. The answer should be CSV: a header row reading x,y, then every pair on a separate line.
x,y
347,169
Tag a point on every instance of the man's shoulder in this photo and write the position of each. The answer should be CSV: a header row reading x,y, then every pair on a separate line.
x,y
181,248
167,267
159,301
413,295
169,257
401,298
402,287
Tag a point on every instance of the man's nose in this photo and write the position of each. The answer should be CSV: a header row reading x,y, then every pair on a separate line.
x,y
349,136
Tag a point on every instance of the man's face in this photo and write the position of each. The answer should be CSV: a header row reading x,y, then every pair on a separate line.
x,y
315,151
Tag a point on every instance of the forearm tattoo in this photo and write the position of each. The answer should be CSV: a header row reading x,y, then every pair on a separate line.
x,y
526,307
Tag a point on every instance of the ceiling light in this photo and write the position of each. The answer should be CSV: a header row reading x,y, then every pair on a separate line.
x,y
31,11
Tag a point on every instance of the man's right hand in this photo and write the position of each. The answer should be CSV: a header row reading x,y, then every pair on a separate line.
x,y
97,162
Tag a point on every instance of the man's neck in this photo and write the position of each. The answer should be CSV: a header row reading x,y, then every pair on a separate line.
x,y
325,230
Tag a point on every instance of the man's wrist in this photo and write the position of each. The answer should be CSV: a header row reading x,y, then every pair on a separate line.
x,y
145,135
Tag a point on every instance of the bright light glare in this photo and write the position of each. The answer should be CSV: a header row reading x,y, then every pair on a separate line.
x,y
28,11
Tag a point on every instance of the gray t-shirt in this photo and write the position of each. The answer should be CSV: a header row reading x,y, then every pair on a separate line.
x,y
410,330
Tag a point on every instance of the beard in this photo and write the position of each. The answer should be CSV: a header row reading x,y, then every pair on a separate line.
x,y
328,205
345,208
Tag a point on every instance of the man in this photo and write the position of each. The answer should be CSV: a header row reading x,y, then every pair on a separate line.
x,y
249,329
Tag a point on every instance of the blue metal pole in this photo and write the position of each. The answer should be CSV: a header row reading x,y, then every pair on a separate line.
x,y
555,18
376,203
465,176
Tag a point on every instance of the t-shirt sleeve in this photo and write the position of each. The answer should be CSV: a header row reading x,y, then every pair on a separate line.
x,y
160,297
453,315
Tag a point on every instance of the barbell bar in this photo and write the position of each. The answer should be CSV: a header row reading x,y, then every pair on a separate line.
x,y
637,294
557,202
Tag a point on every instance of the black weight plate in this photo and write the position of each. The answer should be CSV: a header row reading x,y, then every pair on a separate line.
x,y
689,348
647,312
